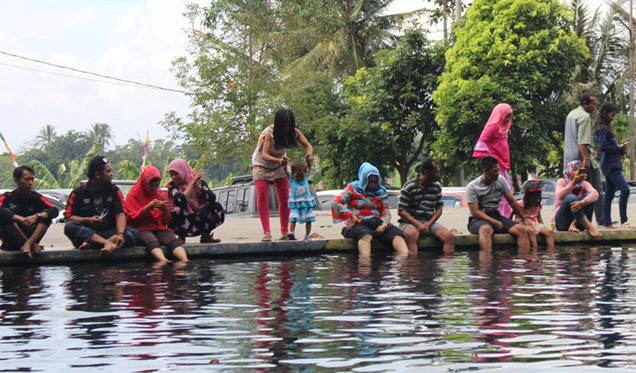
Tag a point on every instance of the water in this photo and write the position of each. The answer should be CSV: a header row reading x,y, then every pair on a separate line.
x,y
569,311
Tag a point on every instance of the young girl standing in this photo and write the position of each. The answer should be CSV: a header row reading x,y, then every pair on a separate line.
x,y
611,165
531,205
301,201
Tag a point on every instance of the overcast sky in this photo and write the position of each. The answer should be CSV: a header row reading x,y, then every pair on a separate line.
x,y
129,39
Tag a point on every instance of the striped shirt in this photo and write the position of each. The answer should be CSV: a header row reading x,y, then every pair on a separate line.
x,y
420,202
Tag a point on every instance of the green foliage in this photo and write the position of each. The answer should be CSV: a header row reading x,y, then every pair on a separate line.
x,y
522,52
389,111
129,170
44,179
231,76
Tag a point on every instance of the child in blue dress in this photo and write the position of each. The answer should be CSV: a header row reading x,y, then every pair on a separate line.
x,y
301,201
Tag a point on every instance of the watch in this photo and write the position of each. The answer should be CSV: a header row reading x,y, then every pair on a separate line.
x,y
39,215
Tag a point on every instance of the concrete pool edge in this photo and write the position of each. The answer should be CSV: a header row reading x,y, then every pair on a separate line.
x,y
462,241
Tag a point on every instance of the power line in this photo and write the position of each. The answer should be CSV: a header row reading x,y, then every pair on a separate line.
x,y
92,73
71,76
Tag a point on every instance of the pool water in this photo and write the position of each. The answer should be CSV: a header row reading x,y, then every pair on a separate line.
x,y
573,310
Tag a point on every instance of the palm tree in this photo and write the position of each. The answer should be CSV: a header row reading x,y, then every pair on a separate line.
x,y
100,133
605,72
45,138
361,30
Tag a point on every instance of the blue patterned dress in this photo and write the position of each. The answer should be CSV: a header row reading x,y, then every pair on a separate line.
x,y
301,201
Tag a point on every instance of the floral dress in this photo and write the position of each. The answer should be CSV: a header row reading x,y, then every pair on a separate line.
x,y
186,223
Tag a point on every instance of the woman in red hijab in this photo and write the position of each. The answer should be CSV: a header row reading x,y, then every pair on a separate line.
x,y
494,141
148,212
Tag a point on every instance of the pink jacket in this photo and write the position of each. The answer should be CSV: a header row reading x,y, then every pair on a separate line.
x,y
564,188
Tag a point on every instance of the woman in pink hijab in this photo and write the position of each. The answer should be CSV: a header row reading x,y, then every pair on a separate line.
x,y
494,141
193,206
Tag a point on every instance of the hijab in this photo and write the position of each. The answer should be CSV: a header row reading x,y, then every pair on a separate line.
x,y
182,167
497,118
568,172
360,185
137,199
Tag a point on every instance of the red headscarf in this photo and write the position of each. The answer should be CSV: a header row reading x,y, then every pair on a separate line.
x,y
137,199
182,167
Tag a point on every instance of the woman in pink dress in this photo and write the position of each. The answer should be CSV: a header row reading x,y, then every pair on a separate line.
x,y
494,141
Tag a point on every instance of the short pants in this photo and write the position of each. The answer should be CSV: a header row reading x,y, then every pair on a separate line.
x,y
474,224
368,226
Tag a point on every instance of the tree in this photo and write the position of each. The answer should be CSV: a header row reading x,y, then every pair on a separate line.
x,y
348,35
232,76
45,138
100,133
522,52
45,179
390,110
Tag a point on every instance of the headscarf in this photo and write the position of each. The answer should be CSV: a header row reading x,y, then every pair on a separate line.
x,y
137,199
182,167
360,185
497,146
568,172
497,117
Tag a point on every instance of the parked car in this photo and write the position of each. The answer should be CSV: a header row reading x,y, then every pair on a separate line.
x,y
454,199
239,198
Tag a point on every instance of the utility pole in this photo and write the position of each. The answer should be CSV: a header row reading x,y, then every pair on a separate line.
x,y
444,17
631,93
458,11
459,172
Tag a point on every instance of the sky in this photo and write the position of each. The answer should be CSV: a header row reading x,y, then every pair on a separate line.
x,y
134,40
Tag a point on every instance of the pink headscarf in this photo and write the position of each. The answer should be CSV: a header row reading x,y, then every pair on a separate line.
x,y
497,117
182,167
494,137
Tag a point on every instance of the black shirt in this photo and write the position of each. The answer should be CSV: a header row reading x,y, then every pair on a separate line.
x,y
86,203
30,204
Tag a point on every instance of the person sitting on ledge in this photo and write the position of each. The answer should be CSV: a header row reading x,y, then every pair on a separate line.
x,y
575,200
96,214
364,205
420,206
25,215
483,196
148,212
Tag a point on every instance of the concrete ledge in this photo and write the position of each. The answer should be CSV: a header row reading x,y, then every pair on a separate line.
x,y
464,241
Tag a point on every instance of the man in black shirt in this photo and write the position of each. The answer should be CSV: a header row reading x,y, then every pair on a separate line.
x,y
25,215
96,213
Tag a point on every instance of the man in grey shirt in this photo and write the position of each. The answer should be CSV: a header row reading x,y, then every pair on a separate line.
x,y
579,146
483,196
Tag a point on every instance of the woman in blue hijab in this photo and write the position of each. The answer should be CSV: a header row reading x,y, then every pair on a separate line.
x,y
364,206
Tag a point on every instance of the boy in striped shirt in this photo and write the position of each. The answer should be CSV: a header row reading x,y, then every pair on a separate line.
x,y
420,206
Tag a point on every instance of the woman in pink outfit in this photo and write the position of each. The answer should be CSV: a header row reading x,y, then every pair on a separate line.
x,y
494,141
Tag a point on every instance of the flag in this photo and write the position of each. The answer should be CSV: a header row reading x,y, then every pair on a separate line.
x,y
15,162
145,146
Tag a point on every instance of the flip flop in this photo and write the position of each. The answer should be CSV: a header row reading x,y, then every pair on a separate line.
x,y
267,237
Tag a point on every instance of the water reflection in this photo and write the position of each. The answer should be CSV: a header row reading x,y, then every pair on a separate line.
x,y
524,310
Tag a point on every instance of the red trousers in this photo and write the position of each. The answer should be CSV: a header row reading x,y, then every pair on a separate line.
x,y
262,203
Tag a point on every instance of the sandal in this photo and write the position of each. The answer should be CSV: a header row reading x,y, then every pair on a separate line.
x,y
308,239
626,225
267,237
285,237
